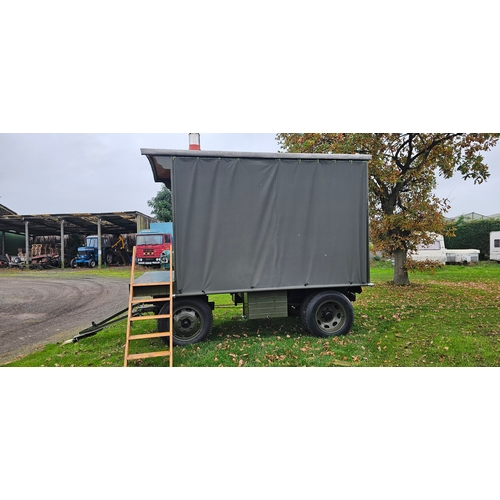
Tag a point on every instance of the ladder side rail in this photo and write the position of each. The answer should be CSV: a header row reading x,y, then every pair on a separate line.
x,y
171,307
130,306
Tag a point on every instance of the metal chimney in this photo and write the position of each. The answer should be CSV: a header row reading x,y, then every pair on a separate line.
x,y
194,141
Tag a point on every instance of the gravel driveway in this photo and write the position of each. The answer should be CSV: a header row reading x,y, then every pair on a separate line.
x,y
35,311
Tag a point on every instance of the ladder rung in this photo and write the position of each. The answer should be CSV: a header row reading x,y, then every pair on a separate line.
x,y
148,355
161,283
156,316
149,335
139,301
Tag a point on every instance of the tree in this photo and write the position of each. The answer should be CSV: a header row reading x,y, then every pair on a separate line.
x,y
161,205
402,176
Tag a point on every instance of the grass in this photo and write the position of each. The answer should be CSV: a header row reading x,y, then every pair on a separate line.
x,y
104,272
446,318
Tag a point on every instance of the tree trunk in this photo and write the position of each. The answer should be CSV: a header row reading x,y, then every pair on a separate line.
x,y
400,273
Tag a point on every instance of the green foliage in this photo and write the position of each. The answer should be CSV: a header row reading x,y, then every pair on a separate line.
x,y
472,234
161,205
423,266
70,273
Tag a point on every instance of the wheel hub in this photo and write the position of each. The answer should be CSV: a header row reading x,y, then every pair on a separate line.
x,y
187,323
330,317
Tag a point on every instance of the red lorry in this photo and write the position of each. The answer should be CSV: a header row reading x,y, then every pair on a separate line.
x,y
152,242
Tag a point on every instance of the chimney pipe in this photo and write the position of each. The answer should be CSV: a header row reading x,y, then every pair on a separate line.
x,y
194,141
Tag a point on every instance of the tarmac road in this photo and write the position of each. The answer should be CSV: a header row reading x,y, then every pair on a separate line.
x,y
35,311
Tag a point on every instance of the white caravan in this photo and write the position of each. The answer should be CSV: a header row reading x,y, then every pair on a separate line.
x,y
433,251
437,251
495,245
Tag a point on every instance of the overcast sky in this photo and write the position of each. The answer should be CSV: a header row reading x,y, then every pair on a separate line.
x,y
75,173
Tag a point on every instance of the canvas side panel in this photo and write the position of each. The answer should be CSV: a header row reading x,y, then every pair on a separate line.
x,y
322,221
225,224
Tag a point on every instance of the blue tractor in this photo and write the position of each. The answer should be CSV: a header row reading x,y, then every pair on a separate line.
x,y
88,255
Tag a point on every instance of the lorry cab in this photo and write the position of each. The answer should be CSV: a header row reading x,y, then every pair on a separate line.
x,y
150,247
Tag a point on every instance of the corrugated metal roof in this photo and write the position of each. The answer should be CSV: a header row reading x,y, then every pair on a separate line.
x,y
6,211
80,223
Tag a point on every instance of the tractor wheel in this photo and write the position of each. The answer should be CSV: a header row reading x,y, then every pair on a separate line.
x,y
92,263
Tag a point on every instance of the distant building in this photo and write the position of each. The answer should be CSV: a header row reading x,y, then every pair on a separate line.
x,y
473,216
16,230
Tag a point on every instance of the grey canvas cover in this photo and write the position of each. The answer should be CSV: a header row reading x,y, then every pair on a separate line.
x,y
250,223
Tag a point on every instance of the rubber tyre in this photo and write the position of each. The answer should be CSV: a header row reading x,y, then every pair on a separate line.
x,y
109,259
192,320
327,314
91,263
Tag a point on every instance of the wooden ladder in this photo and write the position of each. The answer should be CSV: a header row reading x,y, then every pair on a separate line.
x,y
139,294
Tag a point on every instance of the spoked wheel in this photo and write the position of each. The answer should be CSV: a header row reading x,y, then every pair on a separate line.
x,y
327,314
192,320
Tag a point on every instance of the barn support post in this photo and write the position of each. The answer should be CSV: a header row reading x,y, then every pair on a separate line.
x,y
99,244
27,243
62,244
